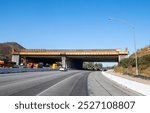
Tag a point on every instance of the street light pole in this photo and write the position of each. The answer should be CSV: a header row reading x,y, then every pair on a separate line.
x,y
134,39
136,59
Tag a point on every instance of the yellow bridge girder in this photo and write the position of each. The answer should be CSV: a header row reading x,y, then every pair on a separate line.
x,y
74,52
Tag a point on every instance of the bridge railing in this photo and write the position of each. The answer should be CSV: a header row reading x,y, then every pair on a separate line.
x,y
44,50
71,51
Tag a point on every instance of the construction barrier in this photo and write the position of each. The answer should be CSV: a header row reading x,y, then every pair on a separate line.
x,y
19,70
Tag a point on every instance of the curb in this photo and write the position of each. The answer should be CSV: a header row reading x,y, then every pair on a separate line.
x,y
139,87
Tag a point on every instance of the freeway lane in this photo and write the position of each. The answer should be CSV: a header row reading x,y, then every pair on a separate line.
x,y
22,83
100,85
72,86
56,83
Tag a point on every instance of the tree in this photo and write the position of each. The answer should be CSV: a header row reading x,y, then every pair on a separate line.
x,y
145,60
98,65
91,65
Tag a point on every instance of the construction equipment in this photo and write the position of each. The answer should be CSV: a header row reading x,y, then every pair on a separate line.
x,y
30,65
38,66
1,63
34,65
7,64
54,66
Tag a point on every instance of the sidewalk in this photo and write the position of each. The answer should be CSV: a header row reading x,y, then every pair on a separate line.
x,y
137,84
140,80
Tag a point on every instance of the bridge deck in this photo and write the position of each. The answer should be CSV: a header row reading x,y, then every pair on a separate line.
x,y
67,52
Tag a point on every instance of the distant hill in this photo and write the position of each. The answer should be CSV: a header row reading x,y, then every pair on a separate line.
x,y
6,49
143,51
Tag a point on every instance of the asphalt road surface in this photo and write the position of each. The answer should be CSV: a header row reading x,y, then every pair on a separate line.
x,y
57,83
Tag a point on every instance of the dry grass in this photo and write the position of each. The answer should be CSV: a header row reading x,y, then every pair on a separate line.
x,y
143,70
143,51
146,72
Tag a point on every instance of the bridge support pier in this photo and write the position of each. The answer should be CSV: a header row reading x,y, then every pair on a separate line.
x,y
120,57
64,62
71,63
16,58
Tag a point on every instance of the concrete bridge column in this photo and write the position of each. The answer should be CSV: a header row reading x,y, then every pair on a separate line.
x,y
16,58
120,57
64,62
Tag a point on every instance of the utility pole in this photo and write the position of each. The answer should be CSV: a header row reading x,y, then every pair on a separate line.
x,y
134,39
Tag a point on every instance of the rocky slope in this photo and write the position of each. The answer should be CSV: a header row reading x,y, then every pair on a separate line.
x,y
6,49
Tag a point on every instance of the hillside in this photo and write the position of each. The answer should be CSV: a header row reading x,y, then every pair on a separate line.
x,y
127,65
143,51
6,49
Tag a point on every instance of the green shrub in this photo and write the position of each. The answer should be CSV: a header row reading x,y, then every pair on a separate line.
x,y
128,65
127,62
145,60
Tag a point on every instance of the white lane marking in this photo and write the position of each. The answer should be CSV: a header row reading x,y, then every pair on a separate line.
x,y
57,84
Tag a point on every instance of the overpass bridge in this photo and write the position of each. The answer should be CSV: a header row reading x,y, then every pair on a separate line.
x,y
72,58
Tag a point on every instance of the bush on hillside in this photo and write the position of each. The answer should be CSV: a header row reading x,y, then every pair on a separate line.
x,y
145,60
125,63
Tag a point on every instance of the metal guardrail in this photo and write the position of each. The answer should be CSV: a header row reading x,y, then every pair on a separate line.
x,y
19,70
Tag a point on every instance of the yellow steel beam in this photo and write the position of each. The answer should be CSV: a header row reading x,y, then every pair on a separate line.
x,y
70,52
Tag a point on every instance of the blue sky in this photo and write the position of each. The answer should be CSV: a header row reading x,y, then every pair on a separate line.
x,y
75,24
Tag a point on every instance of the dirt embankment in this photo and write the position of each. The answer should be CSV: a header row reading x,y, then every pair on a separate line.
x,y
6,49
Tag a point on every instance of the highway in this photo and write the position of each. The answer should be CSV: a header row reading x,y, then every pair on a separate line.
x,y
57,83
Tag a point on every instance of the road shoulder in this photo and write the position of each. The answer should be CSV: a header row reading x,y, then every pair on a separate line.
x,y
140,80
134,85
99,85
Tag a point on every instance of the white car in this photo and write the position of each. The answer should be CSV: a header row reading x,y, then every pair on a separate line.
x,y
62,69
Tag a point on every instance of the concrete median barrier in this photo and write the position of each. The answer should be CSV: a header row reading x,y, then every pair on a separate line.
x,y
19,70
